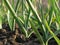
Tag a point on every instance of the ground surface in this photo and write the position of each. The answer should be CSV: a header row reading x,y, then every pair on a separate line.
x,y
8,37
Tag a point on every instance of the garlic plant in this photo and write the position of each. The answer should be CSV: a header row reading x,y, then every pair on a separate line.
x,y
28,17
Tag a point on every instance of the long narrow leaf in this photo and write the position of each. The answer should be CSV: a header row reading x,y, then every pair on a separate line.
x,y
19,21
37,33
55,37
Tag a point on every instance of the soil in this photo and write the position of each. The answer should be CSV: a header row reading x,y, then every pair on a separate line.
x,y
8,37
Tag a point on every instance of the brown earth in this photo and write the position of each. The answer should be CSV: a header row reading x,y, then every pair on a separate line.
x,y
8,37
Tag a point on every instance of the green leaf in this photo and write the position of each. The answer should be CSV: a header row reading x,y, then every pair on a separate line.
x,y
18,20
50,15
55,37
10,20
0,21
37,33
34,10
2,12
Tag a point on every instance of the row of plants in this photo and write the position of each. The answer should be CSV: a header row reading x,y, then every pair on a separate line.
x,y
28,17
